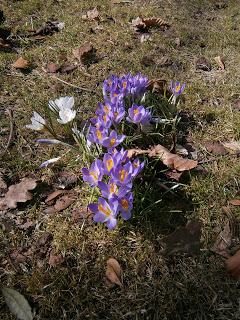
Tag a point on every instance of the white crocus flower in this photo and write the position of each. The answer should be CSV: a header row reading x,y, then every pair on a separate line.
x,y
66,115
37,122
62,102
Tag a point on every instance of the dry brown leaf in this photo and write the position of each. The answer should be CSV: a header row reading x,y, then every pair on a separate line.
x,y
156,22
203,64
141,24
53,67
82,214
220,62
171,160
55,259
136,152
4,44
53,195
114,271
26,225
215,147
20,192
17,257
233,265
157,85
21,64
174,175
235,202
138,24
65,180
233,146
83,52
64,202
67,68
93,14
223,242
184,239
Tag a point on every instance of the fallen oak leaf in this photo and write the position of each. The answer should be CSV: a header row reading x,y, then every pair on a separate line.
x,y
184,239
84,52
136,152
55,259
157,85
21,64
233,265
48,28
232,146
93,14
64,202
114,271
53,195
141,24
171,160
53,67
223,242
20,192
235,202
203,64
67,68
220,62
215,147
156,22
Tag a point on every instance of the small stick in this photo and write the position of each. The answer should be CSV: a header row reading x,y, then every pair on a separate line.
x,y
72,85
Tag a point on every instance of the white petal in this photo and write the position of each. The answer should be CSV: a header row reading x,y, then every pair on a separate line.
x,y
66,115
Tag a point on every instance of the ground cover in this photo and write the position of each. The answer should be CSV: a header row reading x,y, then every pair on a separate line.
x,y
155,286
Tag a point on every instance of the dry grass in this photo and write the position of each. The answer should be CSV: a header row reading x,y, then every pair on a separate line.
x,y
155,287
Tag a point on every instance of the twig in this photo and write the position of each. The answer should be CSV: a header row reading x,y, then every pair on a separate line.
x,y
65,82
10,137
72,85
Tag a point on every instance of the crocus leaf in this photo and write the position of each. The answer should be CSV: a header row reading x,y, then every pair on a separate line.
x,y
17,304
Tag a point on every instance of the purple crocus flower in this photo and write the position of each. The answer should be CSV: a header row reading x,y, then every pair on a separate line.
x,y
104,108
120,156
101,121
126,205
97,135
139,114
137,167
110,85
111,190
94,174
109,162
176,88
113,140
105,212
125,84
117,114
139,85
122,175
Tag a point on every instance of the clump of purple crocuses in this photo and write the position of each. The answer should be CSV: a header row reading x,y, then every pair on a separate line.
x,y
111,173
114,174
